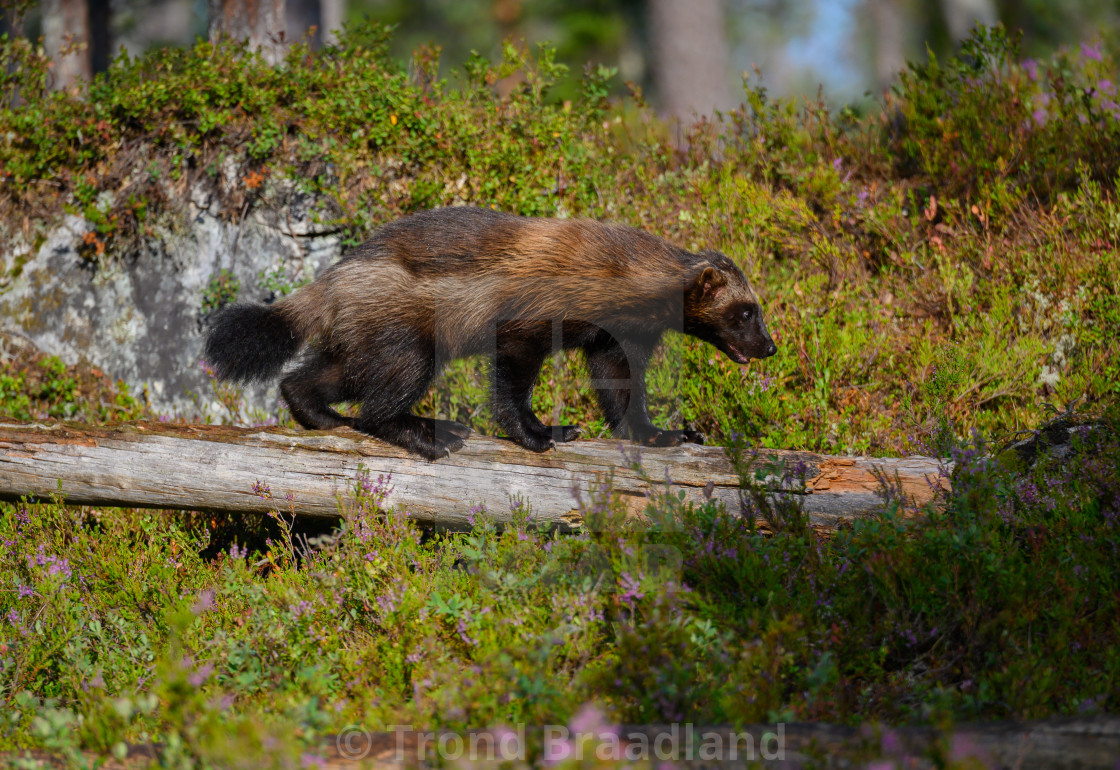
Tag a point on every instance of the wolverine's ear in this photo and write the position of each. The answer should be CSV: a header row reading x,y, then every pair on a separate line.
x,y
706,283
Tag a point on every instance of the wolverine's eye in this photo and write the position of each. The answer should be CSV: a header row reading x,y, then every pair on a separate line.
x,y
747,314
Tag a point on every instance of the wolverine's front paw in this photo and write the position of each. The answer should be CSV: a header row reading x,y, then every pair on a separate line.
x,y
564,433
456,429
536,443
674,438
437,448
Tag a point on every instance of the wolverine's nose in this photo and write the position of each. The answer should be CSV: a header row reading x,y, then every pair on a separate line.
x,y
771,349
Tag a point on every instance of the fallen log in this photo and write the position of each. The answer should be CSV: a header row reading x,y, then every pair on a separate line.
x,y
218,468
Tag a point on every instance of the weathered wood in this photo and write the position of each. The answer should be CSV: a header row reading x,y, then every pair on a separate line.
x,y
215,468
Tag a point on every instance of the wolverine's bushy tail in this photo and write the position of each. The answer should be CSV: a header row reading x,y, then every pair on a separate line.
x,y
249,343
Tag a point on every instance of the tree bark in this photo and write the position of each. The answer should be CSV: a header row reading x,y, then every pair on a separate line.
x,y
260,22
67,42
214,468
331,14
962,15
100,35
301,16
888,40
691,66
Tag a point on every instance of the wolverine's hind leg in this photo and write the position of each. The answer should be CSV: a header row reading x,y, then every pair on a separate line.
x,y
396,376
312,388
618,375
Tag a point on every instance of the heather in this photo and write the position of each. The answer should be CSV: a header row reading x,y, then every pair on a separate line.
x,y
939,271
127,626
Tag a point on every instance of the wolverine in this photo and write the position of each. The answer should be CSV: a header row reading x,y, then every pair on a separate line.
x,y
378,326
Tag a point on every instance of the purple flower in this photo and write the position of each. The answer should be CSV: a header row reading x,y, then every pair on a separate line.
x,y
205,602
630,588
390,601
1030,66
98,682
53,564
1091,51
475,511
198,677
591,721
462,629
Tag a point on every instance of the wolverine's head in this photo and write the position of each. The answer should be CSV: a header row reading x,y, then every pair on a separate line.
x,y
720,307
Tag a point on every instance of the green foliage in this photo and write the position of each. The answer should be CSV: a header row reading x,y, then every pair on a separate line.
x,y
37,387
277,282
942,269
126,626
221,291
999,130
975,218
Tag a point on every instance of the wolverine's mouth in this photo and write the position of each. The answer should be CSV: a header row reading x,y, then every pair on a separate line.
x,y
735,354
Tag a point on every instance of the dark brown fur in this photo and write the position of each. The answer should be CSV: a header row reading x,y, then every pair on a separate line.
x,y
455,282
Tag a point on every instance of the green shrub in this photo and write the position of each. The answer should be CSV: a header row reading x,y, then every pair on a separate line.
x,y
998,130
921,292
968,229
998,603
37,387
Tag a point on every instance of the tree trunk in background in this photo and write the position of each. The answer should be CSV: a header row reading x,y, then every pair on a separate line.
x,y
324,15
691,66
260,22
100,35
302,15
66,40
331,13
962,15
888,40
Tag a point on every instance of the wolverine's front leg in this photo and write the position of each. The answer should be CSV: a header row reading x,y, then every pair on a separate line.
x,y
517,363
618,375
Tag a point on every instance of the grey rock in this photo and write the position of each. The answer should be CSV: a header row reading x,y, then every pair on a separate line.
x,y
139,317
